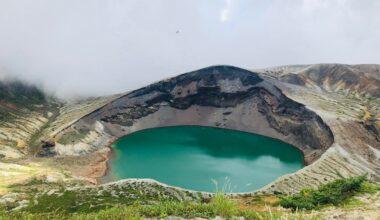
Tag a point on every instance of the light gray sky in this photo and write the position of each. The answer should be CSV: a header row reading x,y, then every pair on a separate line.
x,y
95,47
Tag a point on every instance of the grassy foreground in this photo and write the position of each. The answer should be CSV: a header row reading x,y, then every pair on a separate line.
x,y
220,205
304,205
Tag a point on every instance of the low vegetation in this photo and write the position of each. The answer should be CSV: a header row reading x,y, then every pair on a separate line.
x,y
100,203
221,205
72,137
333,193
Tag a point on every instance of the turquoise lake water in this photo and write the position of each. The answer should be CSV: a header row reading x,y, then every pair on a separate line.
x,y
197,158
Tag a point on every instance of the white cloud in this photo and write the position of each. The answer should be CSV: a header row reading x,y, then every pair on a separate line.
x,y
101,47
225,13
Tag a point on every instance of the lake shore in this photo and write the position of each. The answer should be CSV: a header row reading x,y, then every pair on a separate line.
x,y
99,168
193,157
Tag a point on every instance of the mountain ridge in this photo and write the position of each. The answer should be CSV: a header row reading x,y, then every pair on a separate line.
x,y
83,128
363,79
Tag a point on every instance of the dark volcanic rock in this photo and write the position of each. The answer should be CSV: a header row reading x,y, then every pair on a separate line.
x,y
208,77
47,149
373,126
217,87
133,112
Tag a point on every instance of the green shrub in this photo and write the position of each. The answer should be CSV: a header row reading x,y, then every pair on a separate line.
x,y
331,193
298,201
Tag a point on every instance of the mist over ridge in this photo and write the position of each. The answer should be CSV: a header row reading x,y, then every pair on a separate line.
x,y
96,47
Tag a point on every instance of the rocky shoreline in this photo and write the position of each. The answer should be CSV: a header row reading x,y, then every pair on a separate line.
x,y
98,169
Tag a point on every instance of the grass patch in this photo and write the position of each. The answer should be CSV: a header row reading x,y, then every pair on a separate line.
x,y
225,206
367,187
73,136
163,209
351,203
333,193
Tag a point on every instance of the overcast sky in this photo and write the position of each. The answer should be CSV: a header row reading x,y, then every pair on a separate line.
x,y
95,47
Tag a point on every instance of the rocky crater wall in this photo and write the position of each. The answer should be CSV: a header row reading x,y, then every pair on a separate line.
x,y
218,96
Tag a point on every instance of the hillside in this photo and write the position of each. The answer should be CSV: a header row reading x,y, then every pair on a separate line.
x,y
29,118
24,109
355,79
331,112
359,81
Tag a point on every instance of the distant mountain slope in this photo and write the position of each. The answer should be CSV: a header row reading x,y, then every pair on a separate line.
x,y
28,115
361,79
23,112
19,93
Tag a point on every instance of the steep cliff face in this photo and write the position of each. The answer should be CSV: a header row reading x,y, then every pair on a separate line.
x,y
359,83
220,96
